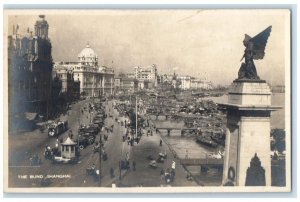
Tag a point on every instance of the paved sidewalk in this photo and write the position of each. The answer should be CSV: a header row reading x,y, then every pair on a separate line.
x,y
149,177
118,149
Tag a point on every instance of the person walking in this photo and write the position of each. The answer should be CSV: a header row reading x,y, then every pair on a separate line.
x,y
162,173
160,142
173,165
70,134
112,173
56,143
133,165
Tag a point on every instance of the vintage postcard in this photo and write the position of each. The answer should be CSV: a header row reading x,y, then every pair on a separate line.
x,y
158,100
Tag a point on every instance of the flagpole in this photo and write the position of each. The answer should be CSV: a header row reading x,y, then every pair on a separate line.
x,y
111,79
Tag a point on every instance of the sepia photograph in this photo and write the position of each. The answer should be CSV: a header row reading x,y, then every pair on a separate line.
x,y
147,100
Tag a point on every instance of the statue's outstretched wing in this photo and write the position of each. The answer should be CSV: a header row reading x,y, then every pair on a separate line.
x,y
259,43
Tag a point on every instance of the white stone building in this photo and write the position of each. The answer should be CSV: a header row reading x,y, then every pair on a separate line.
x,y
94,80
188,82
146,74
185,82
197,83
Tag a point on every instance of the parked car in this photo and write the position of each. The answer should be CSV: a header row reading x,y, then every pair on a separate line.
x,y
57,128
94,127
91,129
99,123
84,141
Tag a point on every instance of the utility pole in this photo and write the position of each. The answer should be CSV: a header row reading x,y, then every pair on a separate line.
x,y
136,117
103,83
120,169
100,159
93,91
111,85
111,79
130,98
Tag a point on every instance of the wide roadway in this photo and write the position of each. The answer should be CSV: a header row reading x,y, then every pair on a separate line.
x,y
22,146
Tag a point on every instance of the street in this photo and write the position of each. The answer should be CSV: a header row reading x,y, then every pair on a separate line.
x,y
23,146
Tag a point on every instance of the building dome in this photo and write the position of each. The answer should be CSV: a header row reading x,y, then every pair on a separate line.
x,y
87,52
88,56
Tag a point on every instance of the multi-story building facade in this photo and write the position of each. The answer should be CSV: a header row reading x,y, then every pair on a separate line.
x,y
197,83
147,74
76,90
129,84
126,84
94,80
185,82
70,87
166,78
117,83
30,70
130,75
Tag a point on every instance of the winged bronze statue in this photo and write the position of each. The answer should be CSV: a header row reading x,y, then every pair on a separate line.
x,y
255,50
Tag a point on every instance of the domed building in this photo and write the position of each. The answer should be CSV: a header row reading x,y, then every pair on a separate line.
x,y
95,80
88,56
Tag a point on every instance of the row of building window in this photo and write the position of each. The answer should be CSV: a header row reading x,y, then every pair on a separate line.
x,y
66,148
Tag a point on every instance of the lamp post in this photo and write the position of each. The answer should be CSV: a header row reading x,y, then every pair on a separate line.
x,y
93,90
91,114
100,159
120,169
136,117
78,132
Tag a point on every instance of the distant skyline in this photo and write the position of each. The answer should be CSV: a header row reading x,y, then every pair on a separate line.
x,y
201,43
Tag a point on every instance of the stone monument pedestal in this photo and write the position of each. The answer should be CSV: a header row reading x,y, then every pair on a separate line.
x,y
248,132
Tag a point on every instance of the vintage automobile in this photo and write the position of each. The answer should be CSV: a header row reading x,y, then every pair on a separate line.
x,y
50,153
57,128
91,171
104,155
94,128
96,147
59,159
85,140
64,160
161,157
153,164
99,122
91,129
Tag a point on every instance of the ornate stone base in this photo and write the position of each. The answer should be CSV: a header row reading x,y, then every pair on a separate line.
x,y
250,93
248,130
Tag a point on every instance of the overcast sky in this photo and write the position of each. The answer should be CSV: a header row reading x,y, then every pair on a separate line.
x,y
200,43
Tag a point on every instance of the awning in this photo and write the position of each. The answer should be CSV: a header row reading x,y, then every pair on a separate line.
x,y
30,116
